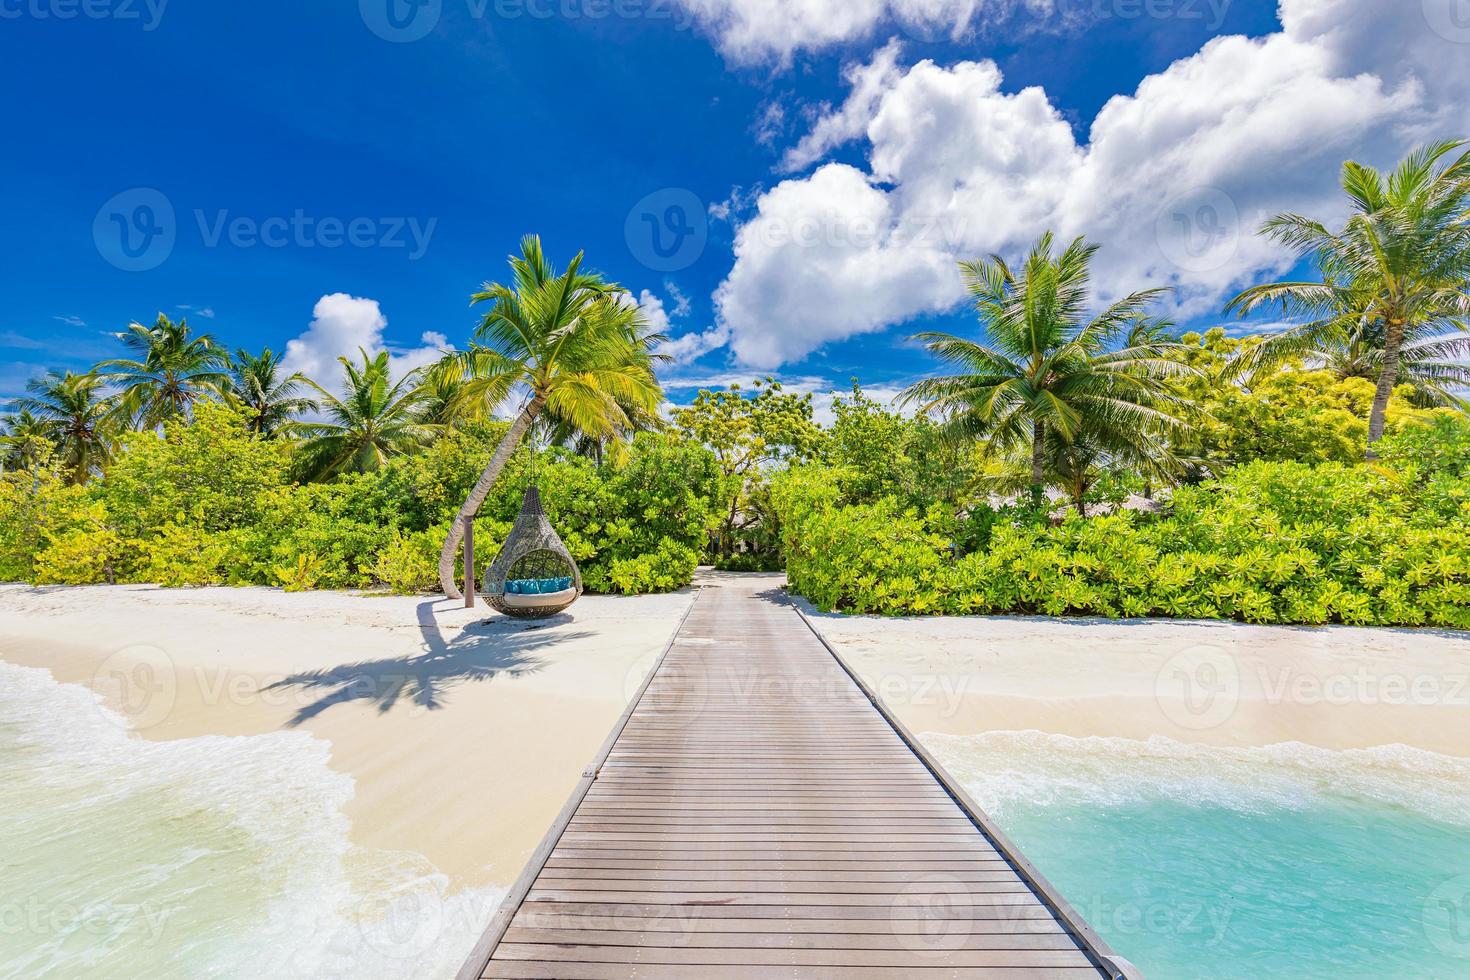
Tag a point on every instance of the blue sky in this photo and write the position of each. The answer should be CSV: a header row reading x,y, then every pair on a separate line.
x,y
426,159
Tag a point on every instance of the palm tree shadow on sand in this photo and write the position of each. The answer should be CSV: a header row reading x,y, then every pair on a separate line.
x,y
483,651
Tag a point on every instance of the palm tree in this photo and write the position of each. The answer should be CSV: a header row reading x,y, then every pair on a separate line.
x,y
1428,364
371,421
1048,369
171,370
569,345
1398,270
77,415
448,399
270,400
24,441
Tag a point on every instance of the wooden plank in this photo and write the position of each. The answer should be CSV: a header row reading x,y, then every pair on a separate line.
x,y
757,813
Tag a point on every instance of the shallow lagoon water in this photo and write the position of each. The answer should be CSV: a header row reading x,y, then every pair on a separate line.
x,y
1282,862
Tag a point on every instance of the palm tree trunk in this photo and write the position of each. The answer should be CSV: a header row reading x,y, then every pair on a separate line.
x,y
1393,345
449,557
1038,463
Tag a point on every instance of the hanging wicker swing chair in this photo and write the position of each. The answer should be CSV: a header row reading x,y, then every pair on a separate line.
x,y
534,576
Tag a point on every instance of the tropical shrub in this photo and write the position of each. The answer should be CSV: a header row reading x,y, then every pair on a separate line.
x,y
83,552
1272,542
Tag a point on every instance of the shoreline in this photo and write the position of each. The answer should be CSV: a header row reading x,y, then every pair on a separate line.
x,y
1211,683
464,733
418,700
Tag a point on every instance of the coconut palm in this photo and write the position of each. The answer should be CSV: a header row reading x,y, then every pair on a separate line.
x,y
24,441
1076,466
566,344
172,368
1398,270
77,415
370,421
448,400
1433,366
1046,368
269,399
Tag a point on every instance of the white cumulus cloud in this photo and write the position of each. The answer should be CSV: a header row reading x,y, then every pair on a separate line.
x,y
343,324
1173,179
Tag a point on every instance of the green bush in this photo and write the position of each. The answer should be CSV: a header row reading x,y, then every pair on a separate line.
x,y
1271,543
409,564
84,553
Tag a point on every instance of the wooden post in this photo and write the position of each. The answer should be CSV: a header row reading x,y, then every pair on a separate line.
x,y
469,563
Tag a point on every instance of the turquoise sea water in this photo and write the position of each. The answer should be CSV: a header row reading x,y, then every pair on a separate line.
x,y
1284,862
207,857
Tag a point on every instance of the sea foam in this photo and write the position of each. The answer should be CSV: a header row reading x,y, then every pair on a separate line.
x,y
208,856
1007,769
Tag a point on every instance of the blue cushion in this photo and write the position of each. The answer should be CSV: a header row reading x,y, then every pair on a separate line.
x,y
566,584
512,588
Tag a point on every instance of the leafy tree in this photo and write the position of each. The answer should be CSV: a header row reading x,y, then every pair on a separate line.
x,y
1295,413
172,369
887,454
749,436
24,442
1427,364
371,420
76,414
269,400
1399,269
565,344
1046,366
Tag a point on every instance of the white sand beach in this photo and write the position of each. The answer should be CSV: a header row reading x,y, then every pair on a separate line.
x,y
1209,683
463,731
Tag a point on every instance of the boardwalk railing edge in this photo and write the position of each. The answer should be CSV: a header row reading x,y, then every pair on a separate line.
x,y
479,958
1093,944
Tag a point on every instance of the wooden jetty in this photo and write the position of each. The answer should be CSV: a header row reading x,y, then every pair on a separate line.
x,y
757,813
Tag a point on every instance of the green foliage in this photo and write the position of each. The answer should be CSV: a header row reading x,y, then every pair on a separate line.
x,y
409,563
184,554
1310,416
885,454
301,575
1273,542
81,552
669,567
750,434
37,509
210,467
